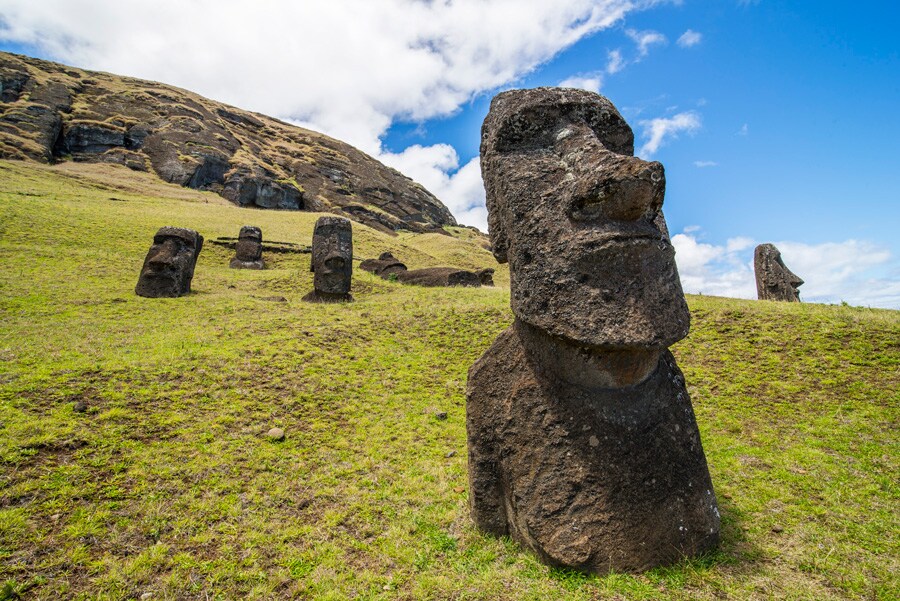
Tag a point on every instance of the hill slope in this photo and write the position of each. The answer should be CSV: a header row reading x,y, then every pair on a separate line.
x,y
50,112
167,484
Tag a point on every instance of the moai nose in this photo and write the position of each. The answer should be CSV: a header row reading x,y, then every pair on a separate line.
x,y
164,255
621,188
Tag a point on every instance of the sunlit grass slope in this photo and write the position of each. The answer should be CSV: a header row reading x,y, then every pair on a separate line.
x,y
167,483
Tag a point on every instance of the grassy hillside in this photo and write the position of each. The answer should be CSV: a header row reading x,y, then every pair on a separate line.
x,y
168,485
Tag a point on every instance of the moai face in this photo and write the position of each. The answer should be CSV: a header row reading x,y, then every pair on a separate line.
x,y
579,219
332,255
249,246
774,281
169,265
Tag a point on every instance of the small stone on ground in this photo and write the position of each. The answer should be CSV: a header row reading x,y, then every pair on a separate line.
x,y
276,434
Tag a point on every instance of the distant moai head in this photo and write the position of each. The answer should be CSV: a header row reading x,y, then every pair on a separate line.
x,y
169,265
332,255
579,219
774,281
249,246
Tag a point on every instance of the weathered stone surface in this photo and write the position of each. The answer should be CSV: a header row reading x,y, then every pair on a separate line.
x,y
583,445
332,261
276,434
439,276
248,252
169,266
49,112
91,137
774,281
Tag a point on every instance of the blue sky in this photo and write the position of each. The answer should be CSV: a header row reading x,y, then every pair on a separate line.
x,y
776,121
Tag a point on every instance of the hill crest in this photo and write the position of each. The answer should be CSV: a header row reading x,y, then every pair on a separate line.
x,y
52,113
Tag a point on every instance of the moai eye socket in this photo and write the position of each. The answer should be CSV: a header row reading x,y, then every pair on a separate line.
x,y
529,130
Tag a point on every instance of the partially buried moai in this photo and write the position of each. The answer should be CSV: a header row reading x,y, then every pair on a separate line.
x,y
774,281
248,252
582,441
169,266
332,261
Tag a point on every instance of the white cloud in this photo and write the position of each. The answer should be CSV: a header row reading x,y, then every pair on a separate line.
x,y
704,164
658,131
343,67
744,130
857,272
435,167
690,38
645,40
591,82
615,62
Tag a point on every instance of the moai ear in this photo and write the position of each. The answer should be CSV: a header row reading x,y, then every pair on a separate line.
x,y
499,240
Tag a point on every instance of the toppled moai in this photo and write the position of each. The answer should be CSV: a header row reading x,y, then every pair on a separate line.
x,y
332,261
248,252
439,277
169,266
486,276
582,440
774,281
385,265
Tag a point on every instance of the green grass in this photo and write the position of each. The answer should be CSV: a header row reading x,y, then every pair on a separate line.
x,y
168,485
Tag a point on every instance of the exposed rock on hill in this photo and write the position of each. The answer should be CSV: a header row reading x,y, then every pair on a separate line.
x,y
50,112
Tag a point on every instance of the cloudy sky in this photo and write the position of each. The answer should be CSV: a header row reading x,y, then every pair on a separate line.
x,y
776,121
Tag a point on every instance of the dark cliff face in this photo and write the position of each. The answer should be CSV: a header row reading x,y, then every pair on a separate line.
x,y
51,113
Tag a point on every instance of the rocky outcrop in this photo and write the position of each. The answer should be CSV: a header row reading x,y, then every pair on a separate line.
x,y
50,113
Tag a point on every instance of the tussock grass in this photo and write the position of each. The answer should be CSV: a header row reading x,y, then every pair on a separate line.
x,y
168,485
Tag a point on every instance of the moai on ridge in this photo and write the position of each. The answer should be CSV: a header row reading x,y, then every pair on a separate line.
x,y
582,441
169,265
332,261
774,281
248,252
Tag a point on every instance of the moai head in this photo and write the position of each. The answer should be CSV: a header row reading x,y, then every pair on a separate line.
x,y
249,246
332,255
774,281
579,220
169,265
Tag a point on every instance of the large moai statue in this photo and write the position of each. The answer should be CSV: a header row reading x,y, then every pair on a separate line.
x,y
582,441
332,261
169,266
248,252
774,281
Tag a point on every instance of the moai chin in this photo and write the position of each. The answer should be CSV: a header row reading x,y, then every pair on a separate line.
x,y
774,281
248,252
332,261
582,441
169,265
